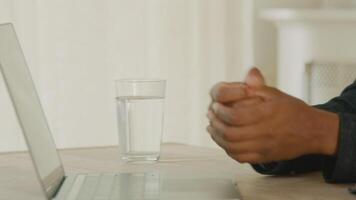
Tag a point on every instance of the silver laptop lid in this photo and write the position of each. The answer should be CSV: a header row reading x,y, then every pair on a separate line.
x,y
29,111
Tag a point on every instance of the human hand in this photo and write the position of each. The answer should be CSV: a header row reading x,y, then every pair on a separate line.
x,y
263,124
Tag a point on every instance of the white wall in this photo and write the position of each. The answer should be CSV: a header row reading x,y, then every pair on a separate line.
x,y
265,34
75,49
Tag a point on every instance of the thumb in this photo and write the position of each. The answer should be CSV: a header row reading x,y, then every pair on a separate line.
x,y
254,78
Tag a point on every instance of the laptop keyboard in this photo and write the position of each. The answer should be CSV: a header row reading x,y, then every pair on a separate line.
x,y
96,187
115,187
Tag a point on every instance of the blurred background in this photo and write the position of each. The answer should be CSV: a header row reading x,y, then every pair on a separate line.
x,y
77,48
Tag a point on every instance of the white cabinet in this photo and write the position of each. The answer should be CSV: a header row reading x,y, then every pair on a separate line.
x,y
312,35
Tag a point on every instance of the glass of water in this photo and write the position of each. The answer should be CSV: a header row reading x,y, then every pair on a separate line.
x,y
140,118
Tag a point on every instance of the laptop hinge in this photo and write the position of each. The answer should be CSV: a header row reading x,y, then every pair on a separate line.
x,y
59,187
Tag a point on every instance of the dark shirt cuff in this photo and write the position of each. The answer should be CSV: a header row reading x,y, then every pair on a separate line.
x,y
299,165
341,168
274,168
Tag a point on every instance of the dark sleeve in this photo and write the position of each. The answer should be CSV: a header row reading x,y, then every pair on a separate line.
x,y
336,169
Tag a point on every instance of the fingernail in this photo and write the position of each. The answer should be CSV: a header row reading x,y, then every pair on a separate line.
x,y
215,107
210,115
208,129
213,91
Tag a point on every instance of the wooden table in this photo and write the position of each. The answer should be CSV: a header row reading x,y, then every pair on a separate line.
x,y
18,180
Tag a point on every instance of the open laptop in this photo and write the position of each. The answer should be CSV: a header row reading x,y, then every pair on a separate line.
x,y
100,186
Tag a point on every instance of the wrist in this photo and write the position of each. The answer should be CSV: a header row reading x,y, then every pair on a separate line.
x,y
327,128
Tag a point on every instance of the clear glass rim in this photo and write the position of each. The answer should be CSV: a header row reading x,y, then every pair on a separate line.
x,y
139,80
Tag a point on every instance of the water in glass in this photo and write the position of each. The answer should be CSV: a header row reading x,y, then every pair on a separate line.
x,y
140,121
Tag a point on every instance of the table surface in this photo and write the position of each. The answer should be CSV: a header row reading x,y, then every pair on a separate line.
x,y
18,179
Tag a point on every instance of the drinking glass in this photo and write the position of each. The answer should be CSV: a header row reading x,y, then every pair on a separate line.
x,y
140,115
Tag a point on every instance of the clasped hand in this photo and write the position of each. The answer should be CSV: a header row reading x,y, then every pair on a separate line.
x,y
255,123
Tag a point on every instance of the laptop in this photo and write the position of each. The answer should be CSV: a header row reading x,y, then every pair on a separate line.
x,y
58,185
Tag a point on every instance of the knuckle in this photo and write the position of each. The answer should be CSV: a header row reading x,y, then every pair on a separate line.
x,y
218,91
210,105
229,147
217,125
231,116
213,123
230,154
212,136
233,156
218,96
228,133
208,129
241,158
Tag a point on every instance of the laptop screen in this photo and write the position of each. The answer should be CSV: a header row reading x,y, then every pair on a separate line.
x,y
29,110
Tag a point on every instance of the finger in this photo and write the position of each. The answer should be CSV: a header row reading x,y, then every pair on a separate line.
x,y
211,116
219,128
227,146
210,107
224,113
217,139
251,101
228,92
238,148
250,146
266,93
239,116
236,134
255,78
